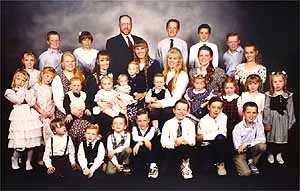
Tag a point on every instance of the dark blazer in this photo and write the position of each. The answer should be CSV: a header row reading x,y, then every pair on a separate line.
x,y
120,54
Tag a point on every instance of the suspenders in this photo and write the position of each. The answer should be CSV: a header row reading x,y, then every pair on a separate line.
x,y
65,148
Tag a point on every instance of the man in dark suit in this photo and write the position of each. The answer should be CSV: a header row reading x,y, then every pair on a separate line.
x,y
120,47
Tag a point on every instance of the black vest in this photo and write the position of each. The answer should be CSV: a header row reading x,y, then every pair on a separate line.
x,y
90,155
160,95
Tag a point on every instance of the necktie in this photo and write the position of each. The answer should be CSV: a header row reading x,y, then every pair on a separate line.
x,y
90,146
171,43
179,130
130,45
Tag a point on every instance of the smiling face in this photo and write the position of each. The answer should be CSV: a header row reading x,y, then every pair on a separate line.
x,y
172,61
125,25
103,62
142,121
204,57
53,42
215,108
172,29
203,34
119,124
141,51
91,134
133,69
68,63
28,61
250,114
181,110
250,53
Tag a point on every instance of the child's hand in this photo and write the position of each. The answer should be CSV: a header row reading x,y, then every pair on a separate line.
x,y
204,104
268,127
51,170
69,118
242,148
110,154
148,144
136,149
87,112
86,171
75,166
91,174
178,141
119,167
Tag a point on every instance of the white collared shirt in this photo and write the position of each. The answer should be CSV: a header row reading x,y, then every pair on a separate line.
x,y
97,161
126,40
169,132
210,127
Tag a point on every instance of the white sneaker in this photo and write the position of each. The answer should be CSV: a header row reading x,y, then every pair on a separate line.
x,y
221,169
153,172
14,163
28,165
186,171
271,158
279,158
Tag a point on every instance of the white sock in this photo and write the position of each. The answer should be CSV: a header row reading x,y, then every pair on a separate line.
x,y
152,165
16,154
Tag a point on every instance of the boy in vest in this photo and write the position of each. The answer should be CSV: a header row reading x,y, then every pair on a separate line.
x,y
91,152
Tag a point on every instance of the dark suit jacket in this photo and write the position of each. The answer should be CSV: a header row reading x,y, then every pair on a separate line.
x,y
120,54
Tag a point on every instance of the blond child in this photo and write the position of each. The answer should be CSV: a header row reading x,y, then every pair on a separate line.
x,y
25,126
28,61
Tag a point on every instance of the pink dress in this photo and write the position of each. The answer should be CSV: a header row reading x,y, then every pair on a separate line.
x,y
45,101
25,129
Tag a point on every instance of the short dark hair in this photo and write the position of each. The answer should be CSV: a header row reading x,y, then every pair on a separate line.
x,y
57,122
85,35
175,21
121,16
142,112
52,33
205,47
120,116
215,99
183,101
249,104
204,26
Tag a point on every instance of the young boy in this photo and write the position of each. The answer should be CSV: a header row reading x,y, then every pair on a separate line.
x,y
91,151
249,141
234,55
177,138
118,147
52,56
158,92
59,151
212,135
204,32
145,144
172,28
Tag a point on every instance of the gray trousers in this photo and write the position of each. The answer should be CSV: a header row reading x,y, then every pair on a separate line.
x,y
123,158
240,160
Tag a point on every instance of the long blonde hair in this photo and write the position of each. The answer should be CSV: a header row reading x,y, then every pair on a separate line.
x,y
180,66
77,72
47,70
284,77
19,72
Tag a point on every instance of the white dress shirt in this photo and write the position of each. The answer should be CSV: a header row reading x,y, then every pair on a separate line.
x,y
210,127
59,146
97,161
119,149
169,132
137,138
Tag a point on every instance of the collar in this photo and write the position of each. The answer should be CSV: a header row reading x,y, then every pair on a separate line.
x,y
230,98
125,36
245,124
197,92
51,51
93,143
239,50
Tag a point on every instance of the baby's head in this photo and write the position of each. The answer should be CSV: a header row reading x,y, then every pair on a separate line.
x,y
133,68
159,81
107,83
199,82
123,79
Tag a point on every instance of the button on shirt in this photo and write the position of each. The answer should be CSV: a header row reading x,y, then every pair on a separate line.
x,y
50,58
169,132
210,127
164,46
243,134
232,59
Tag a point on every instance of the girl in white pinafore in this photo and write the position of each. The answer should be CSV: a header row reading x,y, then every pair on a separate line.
x,y
25,127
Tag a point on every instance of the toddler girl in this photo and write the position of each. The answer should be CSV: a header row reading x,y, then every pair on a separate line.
x,y
278,115
25,126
